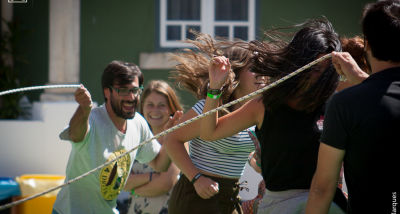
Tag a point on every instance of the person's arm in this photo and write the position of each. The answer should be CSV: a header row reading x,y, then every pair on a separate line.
x,y
79,123
160,183
136,180
212,127
255,159
162,161
325,180
347,66
253,162
204,186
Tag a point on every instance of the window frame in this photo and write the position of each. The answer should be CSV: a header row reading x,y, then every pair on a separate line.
x,y
207,23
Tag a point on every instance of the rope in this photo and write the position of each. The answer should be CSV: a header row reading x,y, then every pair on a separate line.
x,y
37,88
259,91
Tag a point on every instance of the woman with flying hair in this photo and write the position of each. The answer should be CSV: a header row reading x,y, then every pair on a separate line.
x,y
286,115
211,170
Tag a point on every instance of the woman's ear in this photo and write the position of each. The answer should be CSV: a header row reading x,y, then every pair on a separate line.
x,y
366,46
367,56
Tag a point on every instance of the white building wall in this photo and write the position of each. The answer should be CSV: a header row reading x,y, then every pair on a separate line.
x,y
33,147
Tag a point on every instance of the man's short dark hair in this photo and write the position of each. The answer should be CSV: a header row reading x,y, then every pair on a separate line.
x,y
381,28
120,73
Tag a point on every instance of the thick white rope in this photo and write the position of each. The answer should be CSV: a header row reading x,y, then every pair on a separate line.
x,y
259,91
37,88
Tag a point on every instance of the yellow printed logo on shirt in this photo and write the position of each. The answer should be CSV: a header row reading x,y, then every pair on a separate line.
x,y
113,177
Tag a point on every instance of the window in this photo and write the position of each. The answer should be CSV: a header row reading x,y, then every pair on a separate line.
x,y
225,18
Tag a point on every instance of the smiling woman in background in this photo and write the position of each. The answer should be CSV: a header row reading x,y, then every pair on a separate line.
x,y
158,103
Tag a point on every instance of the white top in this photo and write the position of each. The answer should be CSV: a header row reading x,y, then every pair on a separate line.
x,y
225,157
97,192
154,205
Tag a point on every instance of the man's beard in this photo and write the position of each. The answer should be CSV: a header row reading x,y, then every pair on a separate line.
x,y
117,108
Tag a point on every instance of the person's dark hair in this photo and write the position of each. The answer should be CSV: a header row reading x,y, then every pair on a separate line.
x,y
381,28
120,73
192,69
276,58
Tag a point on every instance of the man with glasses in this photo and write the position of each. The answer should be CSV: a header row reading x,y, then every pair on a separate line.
x,y
100,134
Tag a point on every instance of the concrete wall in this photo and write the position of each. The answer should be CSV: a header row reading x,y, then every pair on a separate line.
x,y
33,146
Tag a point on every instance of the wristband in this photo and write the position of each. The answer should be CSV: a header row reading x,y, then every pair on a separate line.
x,y
213,93
213,96
196,177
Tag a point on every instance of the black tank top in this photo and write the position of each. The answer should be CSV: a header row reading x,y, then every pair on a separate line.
x,y
289,148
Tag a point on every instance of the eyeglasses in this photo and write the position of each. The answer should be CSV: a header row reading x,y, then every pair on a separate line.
x,y
126,91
